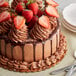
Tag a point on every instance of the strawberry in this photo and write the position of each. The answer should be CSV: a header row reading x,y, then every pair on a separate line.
x,y
51,2
34,7
20,7
28,14
3,3
4,16
25,1
40,13
13,15
19,21
32,22
51,11
44,21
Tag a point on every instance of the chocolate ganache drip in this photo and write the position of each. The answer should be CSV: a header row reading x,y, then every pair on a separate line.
x,y
18,35
5,26
39,32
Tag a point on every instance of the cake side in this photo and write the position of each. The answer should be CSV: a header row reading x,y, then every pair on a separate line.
x,y
33,51
23,66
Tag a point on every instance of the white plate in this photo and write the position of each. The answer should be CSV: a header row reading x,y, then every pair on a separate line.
x,y
68,28
68,25
69,14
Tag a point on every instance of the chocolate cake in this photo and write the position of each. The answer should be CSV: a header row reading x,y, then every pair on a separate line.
x,y
30,35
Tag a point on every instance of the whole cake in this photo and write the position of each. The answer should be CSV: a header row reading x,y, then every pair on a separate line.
x,y
30,36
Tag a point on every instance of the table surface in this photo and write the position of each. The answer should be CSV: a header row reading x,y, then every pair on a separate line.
x,y
68,59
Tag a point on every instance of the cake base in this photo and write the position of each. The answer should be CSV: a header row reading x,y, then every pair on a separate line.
x,y
20,66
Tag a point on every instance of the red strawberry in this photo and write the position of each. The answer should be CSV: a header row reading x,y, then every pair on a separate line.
x,y
13,15
44,21
25,1
34,7
51,11
4,16
40,13
3,3
20,7
19,21
32,22
51,2
28,14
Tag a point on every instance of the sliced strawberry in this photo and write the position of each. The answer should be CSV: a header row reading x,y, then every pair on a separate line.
x,y
44,21
40,13
34,7
20,7
4,16
51,11
51,2
33,21
3,3
28,14
19,21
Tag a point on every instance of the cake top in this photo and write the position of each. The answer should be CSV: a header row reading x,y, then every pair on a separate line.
x,y
28,19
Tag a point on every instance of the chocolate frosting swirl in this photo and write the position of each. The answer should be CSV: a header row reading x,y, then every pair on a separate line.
x,y
4,9
18,35
53,21
39,32
41,3
5,26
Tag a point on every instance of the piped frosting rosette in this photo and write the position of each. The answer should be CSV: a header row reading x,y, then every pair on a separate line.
x,y
53,22
18,33
5,26
4,9
5,18
41,30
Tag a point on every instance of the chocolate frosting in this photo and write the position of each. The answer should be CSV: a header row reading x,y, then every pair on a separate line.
x,y
40,3
53,22
5,26
39,32
4,9
18,35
